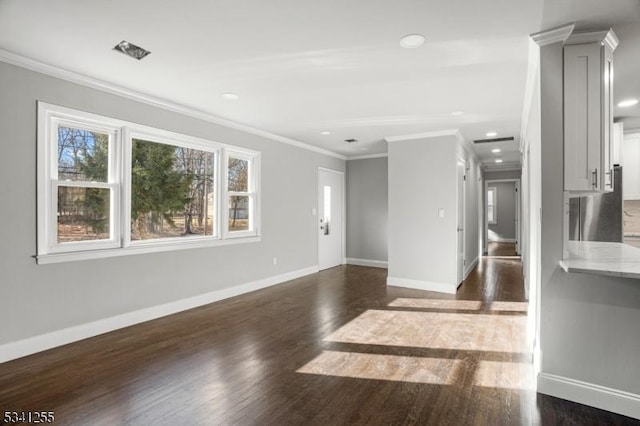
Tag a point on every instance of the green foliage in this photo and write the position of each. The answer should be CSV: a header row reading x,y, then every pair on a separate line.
x,y
158,190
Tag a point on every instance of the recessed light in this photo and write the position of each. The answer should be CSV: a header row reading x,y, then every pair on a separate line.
x,y
130,49
627,103
498,160
230,96
412,41
325,133
492,134
457,113
496,150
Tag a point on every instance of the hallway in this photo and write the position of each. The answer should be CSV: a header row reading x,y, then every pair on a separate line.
x,y
337,347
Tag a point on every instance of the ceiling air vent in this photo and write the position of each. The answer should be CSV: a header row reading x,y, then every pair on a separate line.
x,y
130,49
351,140
510,138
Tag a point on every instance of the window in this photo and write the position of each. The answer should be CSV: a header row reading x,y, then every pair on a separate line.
x,y
108,187
492,202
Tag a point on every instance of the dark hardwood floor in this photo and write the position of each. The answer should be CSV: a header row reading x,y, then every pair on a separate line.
x,y
501,249
338,347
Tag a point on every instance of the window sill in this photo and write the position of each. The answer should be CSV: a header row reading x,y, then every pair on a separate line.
x,y
142,249
602,258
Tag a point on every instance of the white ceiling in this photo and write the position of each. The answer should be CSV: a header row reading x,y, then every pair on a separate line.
x,y
303,67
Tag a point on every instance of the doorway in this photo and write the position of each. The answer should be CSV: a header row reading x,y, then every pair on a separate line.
x,y
460,217
502,217
331,218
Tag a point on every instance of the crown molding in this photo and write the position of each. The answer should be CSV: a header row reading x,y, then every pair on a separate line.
x,y
104,86
606,37
553,35
425,135
364,157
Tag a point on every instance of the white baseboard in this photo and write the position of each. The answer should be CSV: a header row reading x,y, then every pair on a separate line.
x,y
631,197
53,339
616,401
470,267
367,262
422,285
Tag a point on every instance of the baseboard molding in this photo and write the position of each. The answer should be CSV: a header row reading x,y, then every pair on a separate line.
x,y
367,262
422,285
470,267
57,338
631,197
616,401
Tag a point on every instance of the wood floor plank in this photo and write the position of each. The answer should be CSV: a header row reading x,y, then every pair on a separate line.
x,y
337,347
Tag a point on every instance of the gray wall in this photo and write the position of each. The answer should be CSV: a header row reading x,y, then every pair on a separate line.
x,y
422,179
503,174
367,209
505,228
43,298
588,323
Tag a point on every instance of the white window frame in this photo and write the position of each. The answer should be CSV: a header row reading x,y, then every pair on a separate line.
x,y
493,220
120,143
253,159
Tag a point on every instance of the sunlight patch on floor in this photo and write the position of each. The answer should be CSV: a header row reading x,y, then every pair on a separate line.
x,y
509,306
507,375
435,330
438,371
467,305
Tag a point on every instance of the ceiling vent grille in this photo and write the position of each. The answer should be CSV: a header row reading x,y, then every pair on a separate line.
x,y
130,49
510,138
351,140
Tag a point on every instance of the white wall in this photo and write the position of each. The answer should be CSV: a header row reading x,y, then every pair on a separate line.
x,y
631,167
422,246
39,299
367,211
588,323
505,227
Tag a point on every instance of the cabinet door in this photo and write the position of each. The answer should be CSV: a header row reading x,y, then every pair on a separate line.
x,y
582,117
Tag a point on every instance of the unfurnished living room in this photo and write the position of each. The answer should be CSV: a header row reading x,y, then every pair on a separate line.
x,y
316,212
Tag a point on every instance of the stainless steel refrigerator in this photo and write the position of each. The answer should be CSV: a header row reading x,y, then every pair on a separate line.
x,y
598,217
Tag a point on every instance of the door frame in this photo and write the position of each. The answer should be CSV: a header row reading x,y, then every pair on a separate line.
x,y
343,236
518,216
461,221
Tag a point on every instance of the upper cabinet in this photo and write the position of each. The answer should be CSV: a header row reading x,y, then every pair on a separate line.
x,y
588,111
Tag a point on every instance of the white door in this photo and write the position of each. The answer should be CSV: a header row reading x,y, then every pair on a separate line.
x,y
330,208
517,218
460,220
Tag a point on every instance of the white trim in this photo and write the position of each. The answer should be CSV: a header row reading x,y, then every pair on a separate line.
x,y
631,197
532,78
470,267
606,37
422,285
148,247
614,400
56,338
367,262
53,71
425,135
553,35
364,157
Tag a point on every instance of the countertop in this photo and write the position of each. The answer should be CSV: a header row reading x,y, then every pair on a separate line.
x,y
600,258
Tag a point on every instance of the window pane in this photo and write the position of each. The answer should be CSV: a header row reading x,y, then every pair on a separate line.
x,y
239,213
83,214
490,197
238,175
171,191
490,214
82,155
